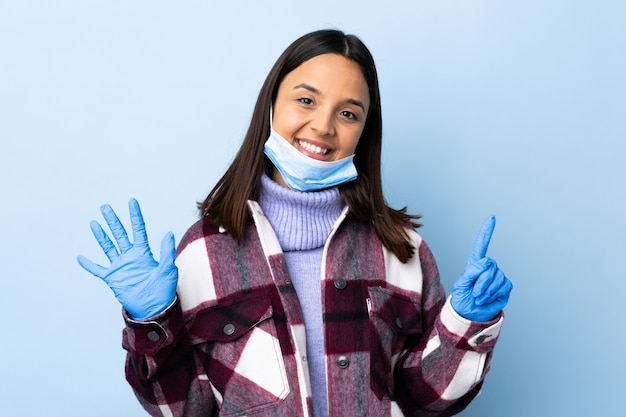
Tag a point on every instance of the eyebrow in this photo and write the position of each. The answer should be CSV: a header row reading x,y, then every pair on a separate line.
x,y
316,91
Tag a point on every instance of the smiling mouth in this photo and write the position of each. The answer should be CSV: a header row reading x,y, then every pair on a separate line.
x,y
309,147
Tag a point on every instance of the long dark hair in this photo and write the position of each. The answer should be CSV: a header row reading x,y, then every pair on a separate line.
x,y
226,203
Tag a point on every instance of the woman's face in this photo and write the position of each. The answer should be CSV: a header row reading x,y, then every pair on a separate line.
x,y
321,108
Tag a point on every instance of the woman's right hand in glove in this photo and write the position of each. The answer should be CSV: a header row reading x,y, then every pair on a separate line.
x,y
142,285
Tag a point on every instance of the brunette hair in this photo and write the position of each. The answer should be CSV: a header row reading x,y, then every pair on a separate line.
x,y
226,203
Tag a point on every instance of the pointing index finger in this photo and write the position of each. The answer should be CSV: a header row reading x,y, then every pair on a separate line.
x,y
484,237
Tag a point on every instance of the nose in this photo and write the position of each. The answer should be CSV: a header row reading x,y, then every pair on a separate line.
x,y
323,122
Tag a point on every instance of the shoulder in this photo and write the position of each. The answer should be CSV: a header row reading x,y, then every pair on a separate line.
x,y
423,254
202,229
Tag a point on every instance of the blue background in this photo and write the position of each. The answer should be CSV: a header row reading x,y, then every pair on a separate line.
x,y
513,108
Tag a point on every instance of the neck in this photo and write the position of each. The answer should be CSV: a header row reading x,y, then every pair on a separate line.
x,y
301,220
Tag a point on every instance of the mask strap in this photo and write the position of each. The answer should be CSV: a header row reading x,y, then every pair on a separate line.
x,y
271,117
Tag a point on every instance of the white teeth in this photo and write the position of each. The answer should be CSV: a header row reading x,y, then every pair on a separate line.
x,y
313,148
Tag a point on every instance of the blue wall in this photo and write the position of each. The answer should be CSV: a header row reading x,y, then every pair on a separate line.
x,y
512,108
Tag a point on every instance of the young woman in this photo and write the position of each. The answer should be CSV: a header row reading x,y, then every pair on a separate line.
x,y
300,292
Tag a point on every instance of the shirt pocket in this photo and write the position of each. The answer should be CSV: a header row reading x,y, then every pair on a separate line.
x,y
241,353
395,323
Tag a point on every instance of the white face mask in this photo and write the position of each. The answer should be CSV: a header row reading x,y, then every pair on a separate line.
x,y
304,173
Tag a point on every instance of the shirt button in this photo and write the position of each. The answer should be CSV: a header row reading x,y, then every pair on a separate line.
x,y
153,336
343,362
340,283
398,322
229,329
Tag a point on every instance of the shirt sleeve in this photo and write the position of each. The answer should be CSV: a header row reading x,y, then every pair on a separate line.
x,y
163,367
439,374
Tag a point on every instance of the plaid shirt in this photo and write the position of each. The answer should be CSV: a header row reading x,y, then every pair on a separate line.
x,y
233,342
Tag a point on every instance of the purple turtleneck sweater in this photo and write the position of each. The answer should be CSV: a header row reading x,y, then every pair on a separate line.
x,y
302,222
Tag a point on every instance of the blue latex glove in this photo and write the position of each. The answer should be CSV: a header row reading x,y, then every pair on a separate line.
x,y
483,290
143,286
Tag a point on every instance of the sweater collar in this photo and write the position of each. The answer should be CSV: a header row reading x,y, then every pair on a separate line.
x,y
301,220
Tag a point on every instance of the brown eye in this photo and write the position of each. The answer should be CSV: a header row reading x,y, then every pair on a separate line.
x,y
305,100
349,115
